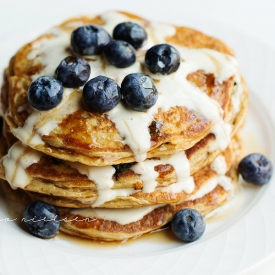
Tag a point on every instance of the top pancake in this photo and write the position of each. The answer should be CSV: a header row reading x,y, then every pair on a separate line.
x,y
206,95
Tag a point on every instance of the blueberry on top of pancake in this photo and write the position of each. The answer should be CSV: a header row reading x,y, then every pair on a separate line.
x,y
131,33
73,71
89,40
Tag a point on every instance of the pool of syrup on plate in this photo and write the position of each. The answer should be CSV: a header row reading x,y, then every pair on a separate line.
x,y
164,235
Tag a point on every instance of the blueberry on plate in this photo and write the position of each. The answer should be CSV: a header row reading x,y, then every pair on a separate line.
x,y
188,225
255,169
89,40
163,59
139,91
131,33
45,93
101,94
42,219
73,71
120,54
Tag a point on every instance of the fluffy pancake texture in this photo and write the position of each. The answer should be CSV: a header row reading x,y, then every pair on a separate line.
x,y
100,229
93,227
121,174
59,183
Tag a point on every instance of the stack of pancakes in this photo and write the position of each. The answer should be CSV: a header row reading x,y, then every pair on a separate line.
x,y
123,173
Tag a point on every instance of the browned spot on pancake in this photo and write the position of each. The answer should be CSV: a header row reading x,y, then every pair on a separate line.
x,y
194,39
48,168
163,168
209,84
76,22
201,144
24,65
133,16
94,132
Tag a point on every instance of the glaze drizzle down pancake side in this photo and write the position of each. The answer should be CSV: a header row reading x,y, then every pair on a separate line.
x,y
126,216
20,159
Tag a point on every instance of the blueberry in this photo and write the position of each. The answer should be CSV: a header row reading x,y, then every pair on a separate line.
x,y
131,33
101,94
73,71
89,40
42,219
120,54
162,58
45,93
188,225
139,91
256,169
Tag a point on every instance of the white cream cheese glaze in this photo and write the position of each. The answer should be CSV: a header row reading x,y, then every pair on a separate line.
x,y
133,126
236,94
224,181
121,216
174,89
47,51
15,163
219,165
148,175
126,216
41,123
102,177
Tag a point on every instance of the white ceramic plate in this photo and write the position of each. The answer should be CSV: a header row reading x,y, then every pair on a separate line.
x,y
230,245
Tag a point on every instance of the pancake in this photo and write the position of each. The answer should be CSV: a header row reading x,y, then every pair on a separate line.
x,y
123,224
89,223
76,185
209,97
109,231
19,196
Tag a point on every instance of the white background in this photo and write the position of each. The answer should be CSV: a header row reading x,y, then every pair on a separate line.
x,y
255,17
252,17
